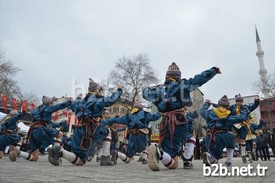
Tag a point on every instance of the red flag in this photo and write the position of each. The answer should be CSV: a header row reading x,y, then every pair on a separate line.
x,y
14,102
64,113
69,117
75,120
55,116
4,100
24,105
32,105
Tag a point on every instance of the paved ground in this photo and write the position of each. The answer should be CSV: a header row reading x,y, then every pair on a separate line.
x,y
24,171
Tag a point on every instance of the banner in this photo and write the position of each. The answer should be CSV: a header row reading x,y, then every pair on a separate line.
x,y
14,102
24,105
64,113
32,105
69,118
75,120
4,100
55,117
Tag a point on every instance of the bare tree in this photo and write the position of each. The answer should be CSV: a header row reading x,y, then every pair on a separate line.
x,y
30,97
107,86
135,72
8,85
270,83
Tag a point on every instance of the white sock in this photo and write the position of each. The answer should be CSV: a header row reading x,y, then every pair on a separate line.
x,y
189,148
123,157
25,155
71,157
243,149
230,153
106,148
7,149
167,160
100,152
106,145
144,155
57,143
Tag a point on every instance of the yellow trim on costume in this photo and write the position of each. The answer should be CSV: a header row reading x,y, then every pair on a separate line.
x,y
238,111
125,132
134,110
221,114
172,79
93,93
7,117
249,134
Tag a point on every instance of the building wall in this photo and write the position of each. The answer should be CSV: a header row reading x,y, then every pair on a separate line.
x,y
199,123
122,108
267,109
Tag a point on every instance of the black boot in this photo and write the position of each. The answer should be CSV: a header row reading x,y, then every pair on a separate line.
x,y
97,159
139,159
55,154
144,161
250,158
187,163
106,161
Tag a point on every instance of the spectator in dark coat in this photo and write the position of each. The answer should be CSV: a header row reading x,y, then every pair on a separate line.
x,y
263,143
271,141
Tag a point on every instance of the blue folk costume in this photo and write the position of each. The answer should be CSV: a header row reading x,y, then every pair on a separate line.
x,y
250,138
235,110
137,122
219,124
41,134
242,128
9,130
89,112
99,136
170,98
43,131
251,135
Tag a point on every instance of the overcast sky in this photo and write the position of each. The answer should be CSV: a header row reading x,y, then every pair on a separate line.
x,y
55,41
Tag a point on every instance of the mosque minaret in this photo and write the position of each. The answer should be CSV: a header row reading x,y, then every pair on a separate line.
x,y
262,71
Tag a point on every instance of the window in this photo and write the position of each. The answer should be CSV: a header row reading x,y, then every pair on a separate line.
x,y
115,110
123,110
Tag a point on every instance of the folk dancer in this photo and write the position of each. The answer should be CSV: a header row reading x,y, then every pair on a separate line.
x,y
219,123
241,129
9,131
41,134
97,142
170,98
251,128
136,122
89,113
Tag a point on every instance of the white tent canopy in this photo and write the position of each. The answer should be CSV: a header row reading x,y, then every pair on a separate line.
x,y
23,128
2,115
